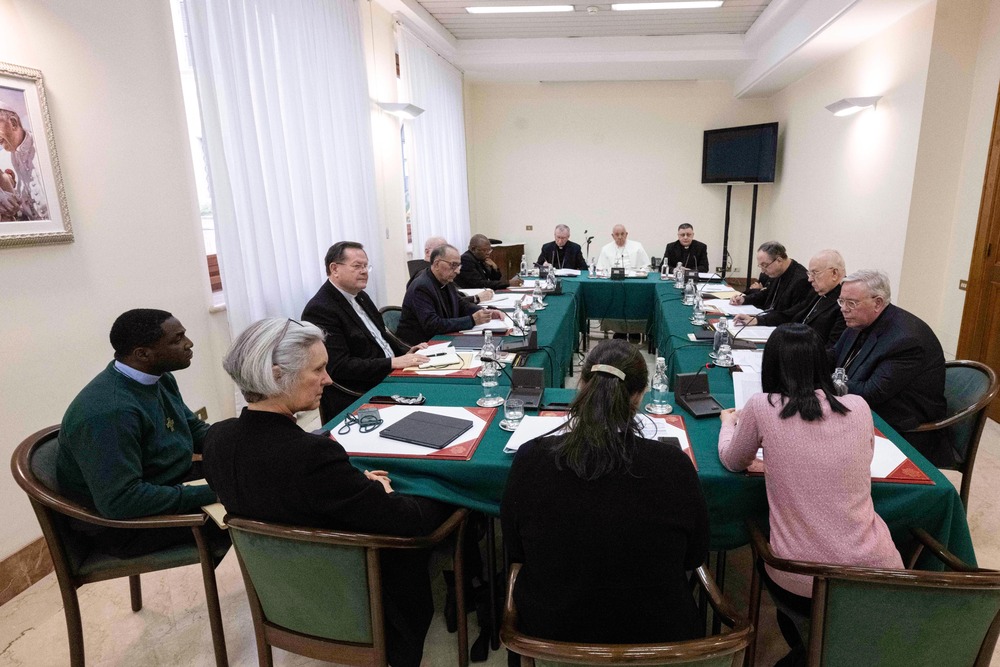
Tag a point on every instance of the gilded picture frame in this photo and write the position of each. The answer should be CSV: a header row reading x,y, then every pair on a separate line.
x,y
33,206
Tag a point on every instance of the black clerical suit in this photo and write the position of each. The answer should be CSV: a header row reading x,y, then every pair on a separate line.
x,y
785,294
694,257
430,308
898,367
478,274
263,466
570,256
821,312
356,361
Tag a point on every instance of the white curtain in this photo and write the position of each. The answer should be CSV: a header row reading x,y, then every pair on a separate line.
x,y
439,186
286,119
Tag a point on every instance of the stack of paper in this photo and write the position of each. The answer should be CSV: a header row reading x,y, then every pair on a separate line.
x,y
730,309
756,334
715,287
745,385
563,273
748,360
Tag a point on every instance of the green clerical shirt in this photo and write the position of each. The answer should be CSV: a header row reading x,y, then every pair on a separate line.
x,y
124,448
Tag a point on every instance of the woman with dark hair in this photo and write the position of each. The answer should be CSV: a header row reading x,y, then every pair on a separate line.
x,y
817,451
605,522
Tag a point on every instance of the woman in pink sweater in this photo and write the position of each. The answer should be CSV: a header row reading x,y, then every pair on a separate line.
x,y
817,452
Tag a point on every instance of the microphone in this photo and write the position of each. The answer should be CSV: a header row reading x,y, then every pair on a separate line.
x,y
691,393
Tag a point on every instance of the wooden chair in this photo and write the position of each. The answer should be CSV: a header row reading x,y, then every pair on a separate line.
x,y
887,617
77,562
969,389
318,592
415,266
725,650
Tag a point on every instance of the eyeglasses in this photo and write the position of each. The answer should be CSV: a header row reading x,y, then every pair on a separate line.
x,y
284,331
452,265
357,268
817,274
851,304
764,266
365,423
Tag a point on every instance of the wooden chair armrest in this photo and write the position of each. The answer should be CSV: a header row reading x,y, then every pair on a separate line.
x,y
942,553
349,392
723,608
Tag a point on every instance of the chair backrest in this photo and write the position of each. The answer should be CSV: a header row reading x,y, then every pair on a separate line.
x,y
311,587
725,650
415,266
888,617
970,387
879,621
33,466
391,315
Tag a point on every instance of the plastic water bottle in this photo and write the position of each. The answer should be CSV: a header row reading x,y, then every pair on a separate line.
x,y
659,387
524,266
698,316
721,335
664,270
679,276
840,382
536,294
550,280
592,269
689,293
489,350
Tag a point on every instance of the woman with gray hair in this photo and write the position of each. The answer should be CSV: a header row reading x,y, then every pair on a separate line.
x,y
264,466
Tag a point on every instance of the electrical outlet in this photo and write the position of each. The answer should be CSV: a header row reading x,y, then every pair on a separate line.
x,y
529,227
963,285
202,413
730,272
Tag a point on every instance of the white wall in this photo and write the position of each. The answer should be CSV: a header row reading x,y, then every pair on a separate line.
x,y
591,155
114,96
972,169
846,182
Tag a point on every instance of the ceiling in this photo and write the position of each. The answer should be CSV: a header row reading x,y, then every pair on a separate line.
x,y
591,20
760,46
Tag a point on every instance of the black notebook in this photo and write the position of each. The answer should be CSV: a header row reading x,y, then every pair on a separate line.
x,y
427,429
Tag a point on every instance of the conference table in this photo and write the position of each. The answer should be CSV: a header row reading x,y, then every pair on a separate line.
x,y
478,483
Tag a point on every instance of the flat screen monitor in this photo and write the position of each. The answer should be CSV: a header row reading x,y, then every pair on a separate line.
x,y
746,154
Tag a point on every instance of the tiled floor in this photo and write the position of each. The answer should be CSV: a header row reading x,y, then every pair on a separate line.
x,y
172,628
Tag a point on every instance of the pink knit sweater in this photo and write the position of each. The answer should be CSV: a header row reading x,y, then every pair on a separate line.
x,y
818,485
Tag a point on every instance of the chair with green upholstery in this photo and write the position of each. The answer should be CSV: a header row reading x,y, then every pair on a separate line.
x,y
969,389
318,592
390,315
77,562
886,618
722,650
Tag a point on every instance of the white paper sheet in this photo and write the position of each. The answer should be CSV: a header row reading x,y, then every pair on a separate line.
x,y
730,309
745,385
492,325
748,360
563,273
653,428
471,291
467,359
356,442
532,427
503,301
711,288
887,457
756,334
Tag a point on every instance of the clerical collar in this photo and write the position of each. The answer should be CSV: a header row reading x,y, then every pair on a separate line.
x,y
138,376
347,295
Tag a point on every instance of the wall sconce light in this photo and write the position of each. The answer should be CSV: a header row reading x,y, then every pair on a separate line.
x,y
402,110
852,105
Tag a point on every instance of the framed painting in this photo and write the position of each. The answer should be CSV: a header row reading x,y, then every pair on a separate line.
x,y
32,199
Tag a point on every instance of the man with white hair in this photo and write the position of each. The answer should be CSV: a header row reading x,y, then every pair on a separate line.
x,y
562,253
622,252
893,360
27,200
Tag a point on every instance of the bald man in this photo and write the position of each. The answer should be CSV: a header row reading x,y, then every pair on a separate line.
x,y
630,253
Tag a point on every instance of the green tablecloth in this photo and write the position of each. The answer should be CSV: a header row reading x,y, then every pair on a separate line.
x,y
557,339
732,497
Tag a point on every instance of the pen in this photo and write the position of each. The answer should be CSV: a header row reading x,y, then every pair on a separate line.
x,y
436,354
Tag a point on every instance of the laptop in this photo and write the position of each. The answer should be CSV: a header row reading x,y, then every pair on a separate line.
x,y
427,429
526,383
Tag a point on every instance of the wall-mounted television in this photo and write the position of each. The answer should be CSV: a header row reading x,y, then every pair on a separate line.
x,y
746,154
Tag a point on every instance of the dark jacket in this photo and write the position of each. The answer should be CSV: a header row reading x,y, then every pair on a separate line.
x,y
785,294
477,274
899,370
820,312
604,560
430,308
694,256
569,257
356,361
